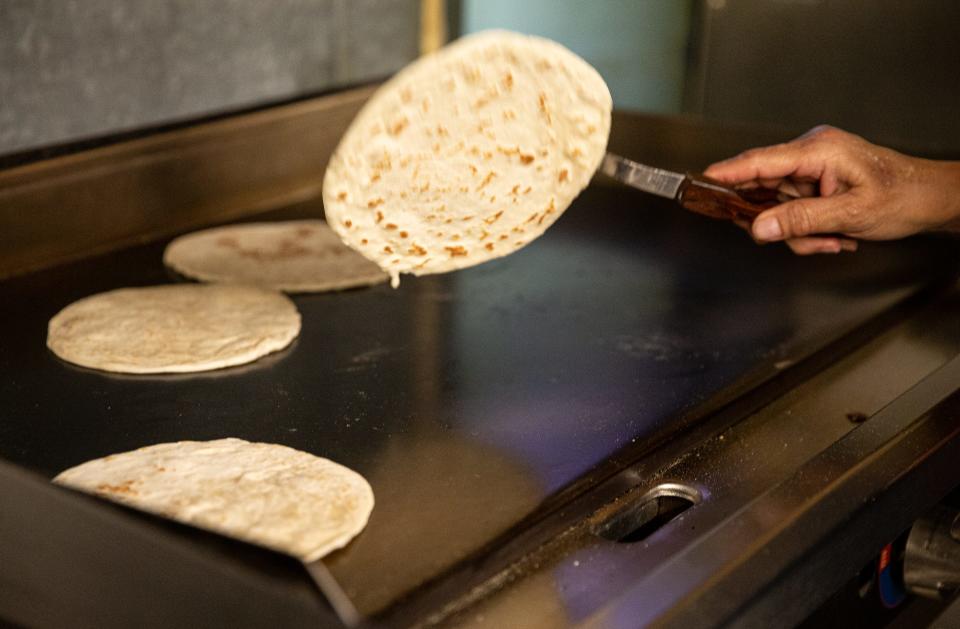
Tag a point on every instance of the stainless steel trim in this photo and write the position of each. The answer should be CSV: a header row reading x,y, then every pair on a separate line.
x,y
107,198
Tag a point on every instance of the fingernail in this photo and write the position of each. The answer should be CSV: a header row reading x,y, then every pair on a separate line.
x,y
767,228
848,245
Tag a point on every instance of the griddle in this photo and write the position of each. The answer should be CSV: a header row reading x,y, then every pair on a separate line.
x,y
477,401
492,409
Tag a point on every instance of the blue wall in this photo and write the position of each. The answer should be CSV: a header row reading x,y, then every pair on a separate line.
x,y
637,45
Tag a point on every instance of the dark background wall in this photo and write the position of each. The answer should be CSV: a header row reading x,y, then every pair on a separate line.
x,y
76,69
887,69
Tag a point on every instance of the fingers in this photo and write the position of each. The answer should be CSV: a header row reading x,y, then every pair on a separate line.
x,y
808,245
804,217
768,163
804,157
849,244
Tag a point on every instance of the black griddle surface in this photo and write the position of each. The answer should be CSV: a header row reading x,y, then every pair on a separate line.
x,y
470,399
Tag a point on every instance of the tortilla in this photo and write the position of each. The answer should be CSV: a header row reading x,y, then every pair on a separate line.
x,y
292,256
174,328
263,493
468,154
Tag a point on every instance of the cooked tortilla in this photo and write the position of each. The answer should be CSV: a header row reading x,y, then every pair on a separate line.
x,y
292,256
467,154
263,493
173,328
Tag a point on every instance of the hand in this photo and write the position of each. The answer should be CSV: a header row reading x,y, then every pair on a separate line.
x,y
846,186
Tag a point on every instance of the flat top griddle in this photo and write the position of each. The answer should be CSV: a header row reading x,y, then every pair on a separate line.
x,y
477,401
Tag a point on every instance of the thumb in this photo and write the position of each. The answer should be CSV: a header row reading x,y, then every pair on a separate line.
x,y
801,217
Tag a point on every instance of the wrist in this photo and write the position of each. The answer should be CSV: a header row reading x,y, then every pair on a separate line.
x,y
945,213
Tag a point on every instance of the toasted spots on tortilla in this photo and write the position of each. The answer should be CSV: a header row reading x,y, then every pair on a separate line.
x,y
267,494
173,328
542,104
491,117
229,242
486,180
125,487
470,74
490,220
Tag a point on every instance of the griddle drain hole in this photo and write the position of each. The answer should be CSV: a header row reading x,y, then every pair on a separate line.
x,y
641,519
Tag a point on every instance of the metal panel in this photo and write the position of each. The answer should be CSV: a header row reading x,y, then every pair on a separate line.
x,y
70,561
59,209
885,69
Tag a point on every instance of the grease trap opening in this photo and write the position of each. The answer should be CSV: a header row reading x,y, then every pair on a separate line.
x,y
641,519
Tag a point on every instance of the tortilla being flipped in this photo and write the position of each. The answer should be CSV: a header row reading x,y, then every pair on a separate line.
x,y
292,256
468,154
174,328
263,493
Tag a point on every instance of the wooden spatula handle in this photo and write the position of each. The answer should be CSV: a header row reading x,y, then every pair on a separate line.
x,y
705,196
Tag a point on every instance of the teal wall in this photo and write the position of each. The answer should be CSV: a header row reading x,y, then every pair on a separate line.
x,y
638,46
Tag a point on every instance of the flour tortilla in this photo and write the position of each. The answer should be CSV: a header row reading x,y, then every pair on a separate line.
x,y
467,154
263,493
292,256
174,328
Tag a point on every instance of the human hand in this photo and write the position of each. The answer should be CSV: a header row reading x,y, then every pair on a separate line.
x,y
846,186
